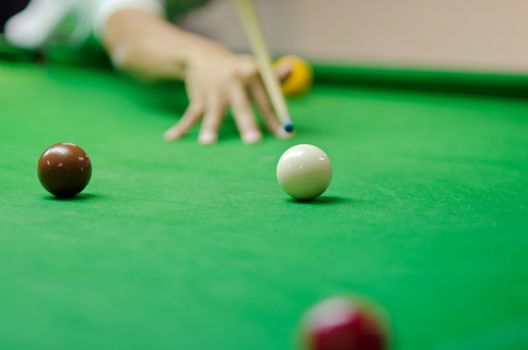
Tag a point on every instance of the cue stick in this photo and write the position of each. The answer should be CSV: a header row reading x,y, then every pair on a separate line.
x,y
248,17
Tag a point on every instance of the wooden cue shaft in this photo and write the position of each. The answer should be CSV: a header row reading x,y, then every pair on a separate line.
x,y
247,14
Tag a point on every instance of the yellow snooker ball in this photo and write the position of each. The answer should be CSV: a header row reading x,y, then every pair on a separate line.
x,y
301,78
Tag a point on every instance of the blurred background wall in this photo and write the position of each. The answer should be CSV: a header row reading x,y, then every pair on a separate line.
x,y
464,34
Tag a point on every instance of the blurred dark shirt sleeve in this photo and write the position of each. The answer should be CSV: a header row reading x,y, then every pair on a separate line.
x,y
9,8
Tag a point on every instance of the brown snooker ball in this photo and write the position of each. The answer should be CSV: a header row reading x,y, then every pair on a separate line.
x,y
344,323
64,169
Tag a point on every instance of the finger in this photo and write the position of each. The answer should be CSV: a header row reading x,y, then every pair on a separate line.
x,y
284,71
187,121
211,123
268,114
244,117
248,67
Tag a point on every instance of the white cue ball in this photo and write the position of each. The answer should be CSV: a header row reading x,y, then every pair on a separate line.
x,y
304,172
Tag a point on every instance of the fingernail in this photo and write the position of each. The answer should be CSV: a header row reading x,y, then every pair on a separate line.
x,y
252,137
283,134
207,137
168,136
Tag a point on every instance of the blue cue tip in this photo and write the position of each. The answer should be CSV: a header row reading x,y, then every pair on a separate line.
x,y
289,127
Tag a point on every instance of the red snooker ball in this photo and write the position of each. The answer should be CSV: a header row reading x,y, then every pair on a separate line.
x,y
342,323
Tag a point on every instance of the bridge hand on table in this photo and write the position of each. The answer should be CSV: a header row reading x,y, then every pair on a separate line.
x,y
236,85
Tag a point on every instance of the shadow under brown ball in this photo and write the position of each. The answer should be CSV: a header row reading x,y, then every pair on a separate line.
x,y
64,169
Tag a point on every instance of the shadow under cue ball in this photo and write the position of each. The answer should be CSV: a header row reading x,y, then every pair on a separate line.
x,y
64,169
304,172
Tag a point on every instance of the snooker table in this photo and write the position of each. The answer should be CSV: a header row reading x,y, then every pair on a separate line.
x,y
181,246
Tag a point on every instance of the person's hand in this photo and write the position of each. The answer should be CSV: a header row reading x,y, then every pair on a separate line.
x,y
143,44
217,79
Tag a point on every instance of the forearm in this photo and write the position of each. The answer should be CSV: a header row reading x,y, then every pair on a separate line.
x,y
147,46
